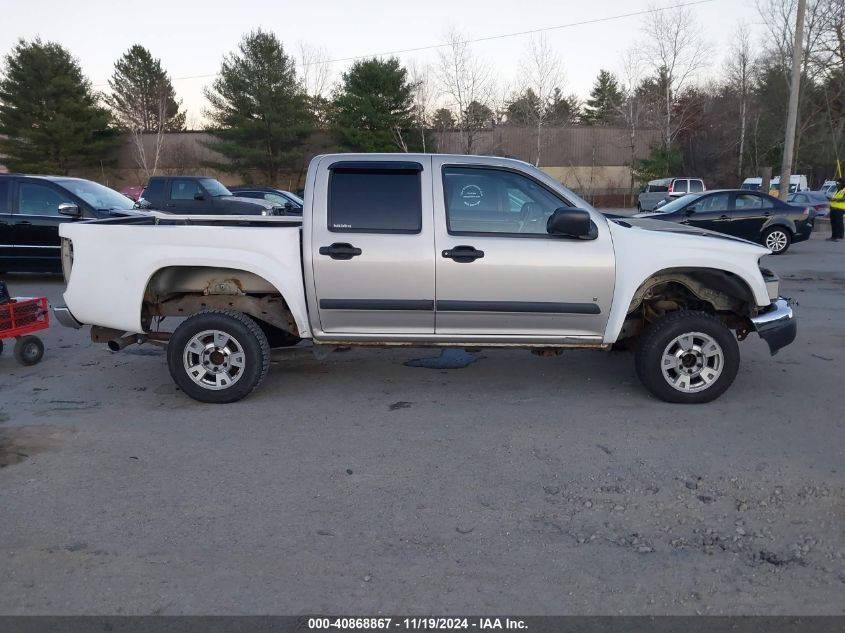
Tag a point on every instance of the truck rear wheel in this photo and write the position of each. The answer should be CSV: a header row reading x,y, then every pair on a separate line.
x,y
218,356
687,357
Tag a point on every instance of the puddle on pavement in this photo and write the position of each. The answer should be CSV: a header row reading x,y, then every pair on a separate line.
x,y
19,443
448,359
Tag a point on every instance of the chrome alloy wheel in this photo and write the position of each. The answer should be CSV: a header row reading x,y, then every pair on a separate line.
x,y
214,359
776,241
692,362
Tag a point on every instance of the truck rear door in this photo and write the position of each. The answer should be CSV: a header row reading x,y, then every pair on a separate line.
x,y
498,272
372,243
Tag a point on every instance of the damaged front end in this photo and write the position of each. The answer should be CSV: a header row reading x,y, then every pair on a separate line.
x,y
777,325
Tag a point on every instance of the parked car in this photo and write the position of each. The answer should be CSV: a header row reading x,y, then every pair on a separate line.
x,y
828,189
814,199
291,203
33,207
199,195
133,192
425,250
751,215
664,188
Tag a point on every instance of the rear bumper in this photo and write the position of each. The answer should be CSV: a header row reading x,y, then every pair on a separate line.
x,y
63,316
777,326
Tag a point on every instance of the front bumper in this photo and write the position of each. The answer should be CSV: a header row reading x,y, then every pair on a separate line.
x,y
778,325
63,316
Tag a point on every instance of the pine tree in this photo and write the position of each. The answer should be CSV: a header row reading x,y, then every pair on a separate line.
x,y
142,96
605,98
49,114
143,102
373,107
258,109
563,110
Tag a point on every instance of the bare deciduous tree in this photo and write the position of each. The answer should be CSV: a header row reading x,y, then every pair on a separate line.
x,y
419,75
465,80
675,50
542,71
740,71
315,69
630,109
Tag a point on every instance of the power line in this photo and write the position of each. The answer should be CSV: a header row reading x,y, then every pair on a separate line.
x,y
488,38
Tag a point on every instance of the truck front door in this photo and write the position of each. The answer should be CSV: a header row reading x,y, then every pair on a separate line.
x,y
372,245
499,273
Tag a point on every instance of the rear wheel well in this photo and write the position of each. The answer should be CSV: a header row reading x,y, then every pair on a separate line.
x,y
180,291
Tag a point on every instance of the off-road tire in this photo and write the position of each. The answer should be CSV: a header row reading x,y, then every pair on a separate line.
x,y
786,239
653,345
29,350
247,339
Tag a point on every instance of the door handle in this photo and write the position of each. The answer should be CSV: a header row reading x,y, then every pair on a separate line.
x,y
340,250
463,254
724,217
767,214
23,223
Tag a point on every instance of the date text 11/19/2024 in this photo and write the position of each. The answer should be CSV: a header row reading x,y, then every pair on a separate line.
x,y
416,623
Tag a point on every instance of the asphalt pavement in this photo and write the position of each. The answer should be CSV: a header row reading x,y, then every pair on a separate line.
x,y
502,482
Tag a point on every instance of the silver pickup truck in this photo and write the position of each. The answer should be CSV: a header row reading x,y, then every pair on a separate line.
x,y
423,250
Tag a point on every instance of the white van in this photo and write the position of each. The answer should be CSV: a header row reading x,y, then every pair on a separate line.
x,y
797,182
752,184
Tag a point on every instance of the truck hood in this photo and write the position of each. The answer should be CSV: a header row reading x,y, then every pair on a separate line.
x,y
662,226
247,203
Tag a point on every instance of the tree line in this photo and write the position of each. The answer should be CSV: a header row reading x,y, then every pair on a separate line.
x,y
266,102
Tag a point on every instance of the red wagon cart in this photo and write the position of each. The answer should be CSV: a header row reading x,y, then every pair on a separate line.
x,y
19,318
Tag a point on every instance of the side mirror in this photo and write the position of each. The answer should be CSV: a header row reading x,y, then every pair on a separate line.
x,y
288,206
199,196
689,211
69,209
569,222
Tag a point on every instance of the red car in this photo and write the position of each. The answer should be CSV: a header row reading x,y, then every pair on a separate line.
x,y
134,192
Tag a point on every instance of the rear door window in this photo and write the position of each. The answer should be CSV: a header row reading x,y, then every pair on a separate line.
x,y
184,189
680,186
38,199
375,200
696,186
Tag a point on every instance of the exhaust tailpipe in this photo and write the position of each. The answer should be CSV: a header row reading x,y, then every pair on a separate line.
x,y
117,344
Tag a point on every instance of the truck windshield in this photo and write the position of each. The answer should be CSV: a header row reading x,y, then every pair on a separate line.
x,y
678,203
214,187
98,196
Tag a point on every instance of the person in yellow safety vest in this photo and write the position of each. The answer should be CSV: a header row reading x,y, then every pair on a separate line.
x,y
837,210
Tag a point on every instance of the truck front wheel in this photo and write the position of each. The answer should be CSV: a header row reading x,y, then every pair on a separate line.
x,y
218,356
687,357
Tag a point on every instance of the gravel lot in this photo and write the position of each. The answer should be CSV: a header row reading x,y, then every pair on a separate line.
x,y
517,484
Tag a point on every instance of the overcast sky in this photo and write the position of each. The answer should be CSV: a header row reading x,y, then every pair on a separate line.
x,y
191,36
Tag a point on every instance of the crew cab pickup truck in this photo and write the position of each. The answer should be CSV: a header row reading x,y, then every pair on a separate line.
x,y
424,250
200,195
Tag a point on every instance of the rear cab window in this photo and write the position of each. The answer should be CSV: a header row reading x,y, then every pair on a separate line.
x,y
5,187
154,190
375,198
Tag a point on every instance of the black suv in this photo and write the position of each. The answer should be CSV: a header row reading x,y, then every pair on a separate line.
x,y
198,195
33,207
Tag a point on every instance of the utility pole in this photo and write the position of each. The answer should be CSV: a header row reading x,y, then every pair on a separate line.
x,y
792,113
